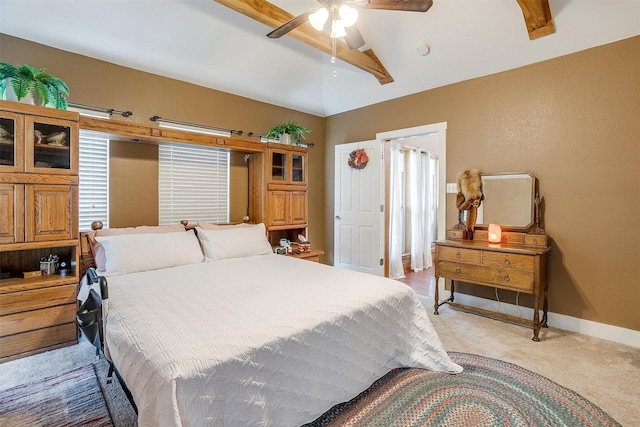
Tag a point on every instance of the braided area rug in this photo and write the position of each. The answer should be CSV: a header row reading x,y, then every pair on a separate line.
x,y
71,399
489,392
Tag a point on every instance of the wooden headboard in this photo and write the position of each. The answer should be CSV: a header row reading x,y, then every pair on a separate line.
x,y
86,256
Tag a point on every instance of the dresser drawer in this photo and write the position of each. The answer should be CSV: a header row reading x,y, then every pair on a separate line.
x,y
504,278
462,255
36,319
535,240
39,339
502,259
16,302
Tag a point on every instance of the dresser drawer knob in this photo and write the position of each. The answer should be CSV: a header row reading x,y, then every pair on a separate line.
x,y
458,254
506,260
506,278
458,270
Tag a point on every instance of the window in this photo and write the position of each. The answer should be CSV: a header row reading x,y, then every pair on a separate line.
x,y
193,183
94,180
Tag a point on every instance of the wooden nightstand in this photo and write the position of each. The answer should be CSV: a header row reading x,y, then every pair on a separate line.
x,y
312,255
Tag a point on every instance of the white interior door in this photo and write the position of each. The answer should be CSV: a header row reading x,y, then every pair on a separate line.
x,y
358,213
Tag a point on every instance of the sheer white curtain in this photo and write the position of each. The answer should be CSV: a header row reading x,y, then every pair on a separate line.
x,y
420,202
396,212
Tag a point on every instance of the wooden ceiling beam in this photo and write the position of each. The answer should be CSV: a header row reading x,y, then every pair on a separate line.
x,y
537,17
273,17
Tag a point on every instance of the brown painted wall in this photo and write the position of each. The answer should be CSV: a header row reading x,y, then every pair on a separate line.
x,y
238,187
574,122
133,184
99,83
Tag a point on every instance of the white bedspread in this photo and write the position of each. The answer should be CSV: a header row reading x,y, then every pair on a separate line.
x,y
260,341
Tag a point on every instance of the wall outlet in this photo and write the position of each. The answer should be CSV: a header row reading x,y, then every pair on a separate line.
x,y
452,188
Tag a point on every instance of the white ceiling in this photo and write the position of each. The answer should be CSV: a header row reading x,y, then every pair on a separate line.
x,y
202,42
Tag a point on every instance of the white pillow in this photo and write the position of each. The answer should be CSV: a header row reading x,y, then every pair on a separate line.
x,y
236,242
130,253
98,250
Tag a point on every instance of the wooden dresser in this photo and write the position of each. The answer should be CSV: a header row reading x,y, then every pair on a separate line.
x,y
520,266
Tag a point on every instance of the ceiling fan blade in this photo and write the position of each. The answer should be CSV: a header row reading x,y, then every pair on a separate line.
x,y
291,24
354,37
407,5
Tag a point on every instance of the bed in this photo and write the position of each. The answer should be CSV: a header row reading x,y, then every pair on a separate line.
x,y
215,329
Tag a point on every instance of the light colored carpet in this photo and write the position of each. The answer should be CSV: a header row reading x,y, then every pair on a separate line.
x,y
51,363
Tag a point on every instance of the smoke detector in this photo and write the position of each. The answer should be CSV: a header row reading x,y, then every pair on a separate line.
x,y
423,49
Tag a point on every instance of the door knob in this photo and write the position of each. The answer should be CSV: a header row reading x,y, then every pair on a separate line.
x,y
338,217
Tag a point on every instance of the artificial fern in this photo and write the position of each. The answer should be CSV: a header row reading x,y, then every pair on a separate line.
x,y
25,79
296,131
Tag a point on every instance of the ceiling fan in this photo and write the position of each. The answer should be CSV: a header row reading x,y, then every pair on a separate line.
x,y
341,16
536,13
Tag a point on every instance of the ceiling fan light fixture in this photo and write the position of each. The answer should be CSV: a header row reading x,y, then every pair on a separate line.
x,y
348,15
337,29
318,18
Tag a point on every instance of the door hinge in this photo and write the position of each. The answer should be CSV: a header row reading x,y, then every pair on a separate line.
x,y
381,261
381,208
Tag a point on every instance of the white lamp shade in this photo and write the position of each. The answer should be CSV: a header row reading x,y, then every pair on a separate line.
x,y
495,233
318,18
348,15
337,29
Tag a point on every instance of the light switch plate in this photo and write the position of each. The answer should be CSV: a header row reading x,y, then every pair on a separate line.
x,y
452,188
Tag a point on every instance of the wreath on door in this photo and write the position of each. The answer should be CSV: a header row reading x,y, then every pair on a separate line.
x,y
358,159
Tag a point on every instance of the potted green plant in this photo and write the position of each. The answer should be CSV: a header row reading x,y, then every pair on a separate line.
x,y
291,128
28,84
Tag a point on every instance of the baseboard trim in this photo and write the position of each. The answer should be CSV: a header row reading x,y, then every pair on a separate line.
x,y
616,334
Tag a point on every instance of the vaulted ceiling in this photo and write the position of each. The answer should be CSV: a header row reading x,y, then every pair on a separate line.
x,y
210,43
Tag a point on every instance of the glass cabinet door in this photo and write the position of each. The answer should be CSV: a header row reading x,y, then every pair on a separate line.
x,y
278,166
297,168
49,146
11,144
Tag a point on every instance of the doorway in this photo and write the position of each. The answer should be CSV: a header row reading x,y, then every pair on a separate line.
x,y
348,241
431,138
412,205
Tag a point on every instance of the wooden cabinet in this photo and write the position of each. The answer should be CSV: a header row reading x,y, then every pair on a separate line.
x,y
11,142
38,217
38,140
287,165
51,212
286,209
36,213
278,188
510,266
13,219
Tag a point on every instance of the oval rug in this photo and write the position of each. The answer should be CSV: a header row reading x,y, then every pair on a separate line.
x,y
489,392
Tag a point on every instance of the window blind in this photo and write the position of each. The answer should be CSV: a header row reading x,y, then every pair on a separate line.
x,y
94,180
193,184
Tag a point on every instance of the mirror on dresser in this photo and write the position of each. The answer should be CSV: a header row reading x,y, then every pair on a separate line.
x,y
509,201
